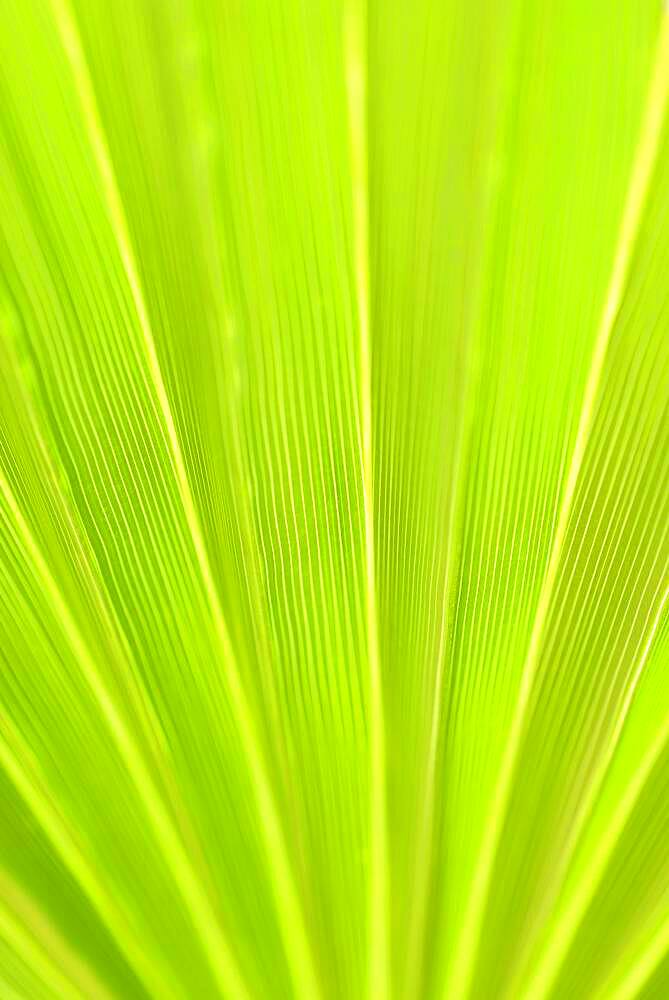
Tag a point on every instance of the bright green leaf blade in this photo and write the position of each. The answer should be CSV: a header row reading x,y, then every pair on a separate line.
x,y
567,173
109,417
333,498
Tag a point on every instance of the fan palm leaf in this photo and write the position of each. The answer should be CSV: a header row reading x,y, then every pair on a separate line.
x,y
334,499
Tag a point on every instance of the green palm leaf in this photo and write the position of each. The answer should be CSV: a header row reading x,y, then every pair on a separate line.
x,y
334,499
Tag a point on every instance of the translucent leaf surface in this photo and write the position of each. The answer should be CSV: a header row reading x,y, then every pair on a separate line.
x,y
334,499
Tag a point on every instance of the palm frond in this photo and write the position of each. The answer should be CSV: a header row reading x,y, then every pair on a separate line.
x,y
334,499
